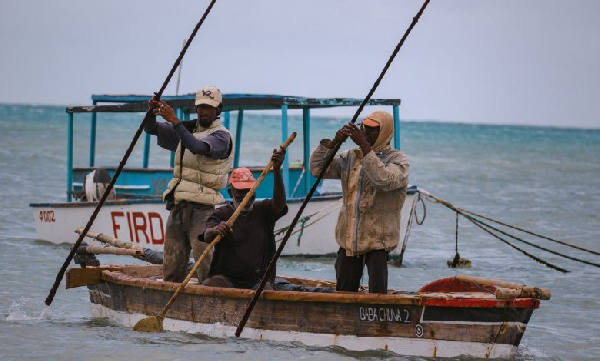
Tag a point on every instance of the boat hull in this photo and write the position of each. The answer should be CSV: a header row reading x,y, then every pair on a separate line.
x,y
399,345
143,222
409,324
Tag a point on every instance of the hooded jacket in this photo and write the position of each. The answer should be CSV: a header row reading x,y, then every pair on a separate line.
x,y
374,188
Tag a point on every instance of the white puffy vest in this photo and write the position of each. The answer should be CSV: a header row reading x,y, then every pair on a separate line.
x,y
202,177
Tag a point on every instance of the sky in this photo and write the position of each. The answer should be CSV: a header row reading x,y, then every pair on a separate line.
x,y
534,62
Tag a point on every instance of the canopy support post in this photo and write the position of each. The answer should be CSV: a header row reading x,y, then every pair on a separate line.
x,y
286,161
396,126
93,138
308,177
70,157
226,120
238,138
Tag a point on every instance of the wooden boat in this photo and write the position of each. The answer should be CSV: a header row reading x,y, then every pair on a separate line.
x,y
138,214
449,317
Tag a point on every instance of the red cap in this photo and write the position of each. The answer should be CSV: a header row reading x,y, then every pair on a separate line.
x,y
369,122
241,178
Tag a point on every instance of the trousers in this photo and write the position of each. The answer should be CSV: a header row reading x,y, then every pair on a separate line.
x,y
349,271
185,223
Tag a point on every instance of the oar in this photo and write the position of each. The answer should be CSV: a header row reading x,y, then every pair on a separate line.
x,y
155,323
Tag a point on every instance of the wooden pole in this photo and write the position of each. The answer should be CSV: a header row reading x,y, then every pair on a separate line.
x,y
518,289
112,250
110,240
155,323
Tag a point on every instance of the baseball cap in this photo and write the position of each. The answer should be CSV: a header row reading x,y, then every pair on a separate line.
x,y
241,178
374,119
210,95
368,122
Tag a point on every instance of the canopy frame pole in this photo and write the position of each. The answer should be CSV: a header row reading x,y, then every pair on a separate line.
x,y
308,177
396,111
70,157
286,160
93,122
238,138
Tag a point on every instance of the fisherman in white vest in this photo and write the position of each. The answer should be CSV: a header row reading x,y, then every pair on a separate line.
x,y
204,155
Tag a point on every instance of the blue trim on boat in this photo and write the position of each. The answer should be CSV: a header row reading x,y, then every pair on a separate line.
x,y
157,180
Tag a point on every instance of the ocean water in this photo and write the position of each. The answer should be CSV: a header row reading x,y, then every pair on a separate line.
x,y
546,180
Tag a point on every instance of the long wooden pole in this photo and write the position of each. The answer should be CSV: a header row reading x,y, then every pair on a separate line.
x,y
154,323
328,161
148,115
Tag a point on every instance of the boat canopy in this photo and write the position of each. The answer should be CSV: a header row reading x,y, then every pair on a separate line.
x,y
231,102
184,108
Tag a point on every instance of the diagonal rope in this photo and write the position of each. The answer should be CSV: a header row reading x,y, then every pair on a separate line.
x,y
545,263
263,282
532,244
469,215
110,186
329,209
532,233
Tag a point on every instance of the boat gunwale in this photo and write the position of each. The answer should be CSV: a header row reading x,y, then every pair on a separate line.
x,y
455,299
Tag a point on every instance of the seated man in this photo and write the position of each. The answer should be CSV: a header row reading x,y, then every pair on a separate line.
x,y
242,256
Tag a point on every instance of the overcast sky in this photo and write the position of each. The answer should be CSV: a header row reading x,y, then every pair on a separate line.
x,y
508,62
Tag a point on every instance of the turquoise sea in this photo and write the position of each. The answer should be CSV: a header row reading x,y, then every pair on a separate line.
x,y
546,180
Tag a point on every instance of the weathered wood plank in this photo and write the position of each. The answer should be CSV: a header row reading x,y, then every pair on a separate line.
x,y
543,293
77,277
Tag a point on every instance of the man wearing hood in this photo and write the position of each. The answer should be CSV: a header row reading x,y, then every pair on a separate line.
x,y
202,161
374,179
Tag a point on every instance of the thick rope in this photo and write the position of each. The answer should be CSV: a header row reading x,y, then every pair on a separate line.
x,y
539,260
110,186
467,214
532,233
475,222
263,282
535,245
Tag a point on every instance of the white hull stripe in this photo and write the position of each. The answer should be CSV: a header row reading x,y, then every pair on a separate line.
x,y
399,345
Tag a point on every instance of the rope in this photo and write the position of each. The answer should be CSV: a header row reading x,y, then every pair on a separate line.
x,y
110,186
303,221
466,213
532,233
298,182
321,174
420,222
539,260
536,246
331,207
308,225
456,259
